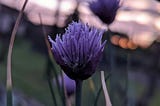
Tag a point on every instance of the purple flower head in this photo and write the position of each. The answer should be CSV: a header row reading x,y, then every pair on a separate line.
x,y
78,50
105,9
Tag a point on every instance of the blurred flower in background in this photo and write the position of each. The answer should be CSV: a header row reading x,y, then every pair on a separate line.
x,y
79,50
105,9
69,84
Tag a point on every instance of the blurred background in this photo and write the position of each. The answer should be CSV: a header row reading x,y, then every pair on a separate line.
x,y
131,55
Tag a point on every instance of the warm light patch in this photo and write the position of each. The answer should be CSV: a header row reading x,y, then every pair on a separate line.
x,y
144,39
123,43
115,39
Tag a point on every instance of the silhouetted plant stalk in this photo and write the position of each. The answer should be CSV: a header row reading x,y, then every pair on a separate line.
x,y
105,91
113,65
128,67
9,57
52,63
92,86
78,92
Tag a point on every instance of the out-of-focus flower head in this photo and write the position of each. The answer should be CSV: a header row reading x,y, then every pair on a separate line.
x,y
78,50
69,84
105,9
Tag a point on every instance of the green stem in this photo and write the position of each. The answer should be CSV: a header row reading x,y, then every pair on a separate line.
x,y
9,97
78,92
9,56
49,79
51,90
51,59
